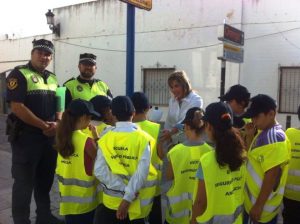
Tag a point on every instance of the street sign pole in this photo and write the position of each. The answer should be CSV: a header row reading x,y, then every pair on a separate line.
x,y
232,51
223,75
130,43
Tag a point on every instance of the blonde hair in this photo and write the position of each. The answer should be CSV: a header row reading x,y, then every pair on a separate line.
x,y
183,80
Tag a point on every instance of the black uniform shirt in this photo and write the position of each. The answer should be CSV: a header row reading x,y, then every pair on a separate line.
x,y
41,103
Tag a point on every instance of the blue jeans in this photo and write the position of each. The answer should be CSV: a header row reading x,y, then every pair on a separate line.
x,y
246,220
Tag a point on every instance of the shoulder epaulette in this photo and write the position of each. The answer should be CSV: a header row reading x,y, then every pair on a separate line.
x,y
69,80
48,72
21,66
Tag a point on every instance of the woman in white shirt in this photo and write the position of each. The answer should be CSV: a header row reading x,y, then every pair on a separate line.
x,y
182,100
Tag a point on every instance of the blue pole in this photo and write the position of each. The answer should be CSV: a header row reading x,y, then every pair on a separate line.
x,y
130,49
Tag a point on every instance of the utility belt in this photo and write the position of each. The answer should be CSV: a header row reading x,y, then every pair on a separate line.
x,y
15,127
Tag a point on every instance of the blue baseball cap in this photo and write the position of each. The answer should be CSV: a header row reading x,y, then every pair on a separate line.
x,y
219,115
81,107
260,104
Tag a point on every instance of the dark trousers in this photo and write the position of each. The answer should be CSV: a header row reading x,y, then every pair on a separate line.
x,y
155,216
108,216
86,218
291,211
33,167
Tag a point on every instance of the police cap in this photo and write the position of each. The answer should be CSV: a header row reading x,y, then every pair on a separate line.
x,y
87,58
44,45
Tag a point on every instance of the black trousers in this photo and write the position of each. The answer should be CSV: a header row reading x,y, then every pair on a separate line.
x,y
108,216
155,216
33,167
291,211
86,218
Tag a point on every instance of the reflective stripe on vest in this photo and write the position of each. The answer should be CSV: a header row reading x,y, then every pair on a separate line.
x,y
254,175
77,182
181,214
267,208
74,199
146,202
224,219
171,200
113,193
177,199
293,187
294,173
120,194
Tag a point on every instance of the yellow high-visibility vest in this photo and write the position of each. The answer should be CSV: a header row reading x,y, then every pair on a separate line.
x,y
260,160
185,162
153,129
79,192
100,128
36,85
36,82
84,91
122,152
224,192
292,187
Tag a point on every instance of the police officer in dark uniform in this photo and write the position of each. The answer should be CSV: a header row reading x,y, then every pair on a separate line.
x,y
85,86
31,129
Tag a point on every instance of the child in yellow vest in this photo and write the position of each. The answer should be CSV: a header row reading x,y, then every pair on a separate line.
x,y
75,161
123,166
183,163
291,199
267,168
142,107
221,173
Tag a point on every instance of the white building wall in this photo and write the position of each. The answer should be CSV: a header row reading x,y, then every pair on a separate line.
x,y
173,33
181,33
272,32
16,52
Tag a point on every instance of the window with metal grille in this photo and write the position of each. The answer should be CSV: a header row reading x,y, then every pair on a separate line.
x,y
156,85
289,96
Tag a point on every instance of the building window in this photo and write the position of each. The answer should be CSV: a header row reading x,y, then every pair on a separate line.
x,y
289,97
156,85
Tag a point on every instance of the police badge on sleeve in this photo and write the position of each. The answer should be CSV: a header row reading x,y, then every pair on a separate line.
x,y
12,83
